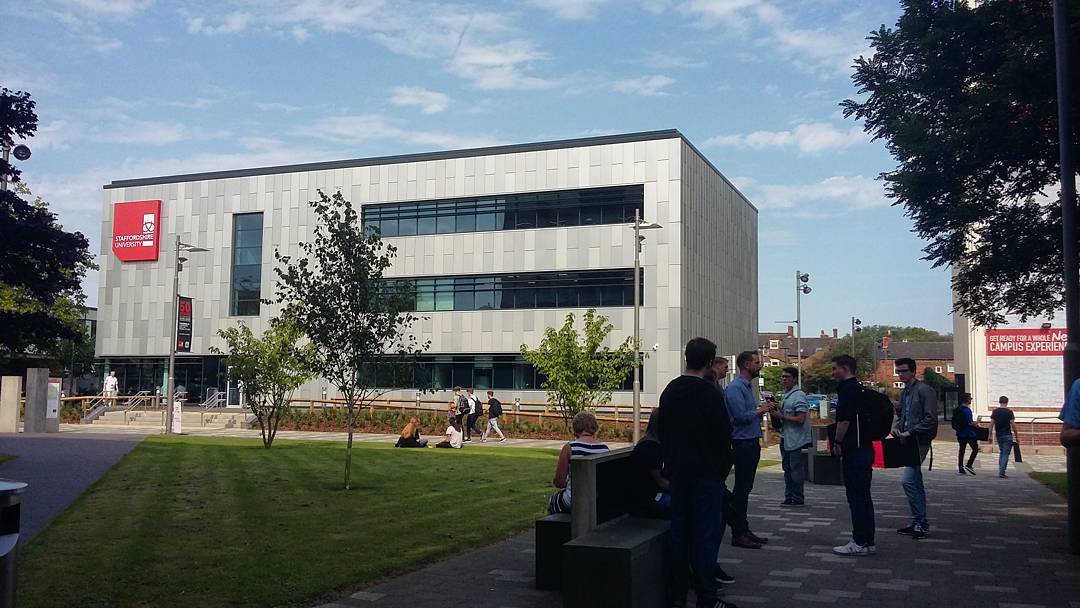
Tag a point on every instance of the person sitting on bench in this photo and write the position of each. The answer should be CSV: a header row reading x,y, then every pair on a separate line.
x,y
651,491
410,436
585,443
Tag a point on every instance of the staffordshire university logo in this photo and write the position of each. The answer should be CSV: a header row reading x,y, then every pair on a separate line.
x,y
135,230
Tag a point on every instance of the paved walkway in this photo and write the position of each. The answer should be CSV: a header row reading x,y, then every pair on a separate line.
x,y
994,543
58,468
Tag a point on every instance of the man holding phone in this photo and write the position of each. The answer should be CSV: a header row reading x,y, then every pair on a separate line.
x,y
745,415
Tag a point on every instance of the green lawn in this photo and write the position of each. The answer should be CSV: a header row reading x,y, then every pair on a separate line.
x,y
184,521
1055,481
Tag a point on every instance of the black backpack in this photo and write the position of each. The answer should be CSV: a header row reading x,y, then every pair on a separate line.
x,y
494,408
876,412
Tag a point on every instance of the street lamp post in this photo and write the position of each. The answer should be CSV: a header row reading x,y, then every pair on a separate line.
x,y
171,385
638,227
856,324
801,278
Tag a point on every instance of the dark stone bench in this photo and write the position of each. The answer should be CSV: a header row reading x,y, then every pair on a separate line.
x,y
602,545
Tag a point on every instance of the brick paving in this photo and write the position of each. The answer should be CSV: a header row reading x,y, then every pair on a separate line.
x,y
994,543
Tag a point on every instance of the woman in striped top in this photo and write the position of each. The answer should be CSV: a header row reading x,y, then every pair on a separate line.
x,y
585,443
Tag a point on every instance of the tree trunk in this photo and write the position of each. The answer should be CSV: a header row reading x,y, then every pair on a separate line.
x,y
348,446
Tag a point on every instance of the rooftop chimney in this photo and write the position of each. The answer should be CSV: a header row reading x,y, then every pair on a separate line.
x,y
834,333
886,340
791,331
823,334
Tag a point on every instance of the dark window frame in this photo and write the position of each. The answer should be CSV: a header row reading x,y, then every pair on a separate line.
x,y
246,300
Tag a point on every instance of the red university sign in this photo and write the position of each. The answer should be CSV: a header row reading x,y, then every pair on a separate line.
x,y
1026,342
135,230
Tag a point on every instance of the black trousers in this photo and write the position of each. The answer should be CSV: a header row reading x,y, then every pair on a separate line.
x,y
964,443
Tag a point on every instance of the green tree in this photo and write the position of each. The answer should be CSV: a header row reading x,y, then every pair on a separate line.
x,y
270,367
579,372
964,96
771,375
358,323
936,380
817,377
41,264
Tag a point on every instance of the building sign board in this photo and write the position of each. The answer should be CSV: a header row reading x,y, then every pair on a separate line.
x,y
1026,342
136,228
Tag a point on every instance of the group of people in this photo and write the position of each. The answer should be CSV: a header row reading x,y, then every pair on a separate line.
x,y
465,412
701,431
968,434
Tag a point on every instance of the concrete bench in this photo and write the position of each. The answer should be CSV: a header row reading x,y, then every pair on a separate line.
x,y
602,553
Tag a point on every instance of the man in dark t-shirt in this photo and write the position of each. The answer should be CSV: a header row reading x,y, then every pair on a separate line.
x,y
1005,429
856,458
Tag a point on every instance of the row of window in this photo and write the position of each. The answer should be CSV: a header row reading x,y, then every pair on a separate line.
x,y
585,207
577,289
246,287
481,372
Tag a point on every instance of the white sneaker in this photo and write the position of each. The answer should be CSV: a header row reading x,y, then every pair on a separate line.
x,y
854,549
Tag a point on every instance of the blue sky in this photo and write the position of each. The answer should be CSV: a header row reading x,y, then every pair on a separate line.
x,y
136,88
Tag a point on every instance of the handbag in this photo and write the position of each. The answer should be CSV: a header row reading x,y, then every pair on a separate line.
x,y
897,454
982,434
1016,453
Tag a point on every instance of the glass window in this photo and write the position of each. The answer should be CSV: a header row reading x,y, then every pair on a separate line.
x,y
524,297
464,300
425,224
486,221
612,296
585,288
524,219
445,224
247,238
485,300
546,298
407,226
466,222
547,218
590,216
246,272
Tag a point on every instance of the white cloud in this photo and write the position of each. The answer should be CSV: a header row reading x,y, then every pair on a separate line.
x,y
649,86
110,9
429,102
729,13
373,127
808,138
570,10
839,191
230,24
274,106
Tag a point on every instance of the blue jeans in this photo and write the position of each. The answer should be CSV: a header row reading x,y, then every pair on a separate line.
x,y
794,463
915,490
857,465
1005,443
697,529
745,453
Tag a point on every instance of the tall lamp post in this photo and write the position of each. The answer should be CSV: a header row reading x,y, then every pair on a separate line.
x,y
801,287
856,327
638,239
1067,174
171,385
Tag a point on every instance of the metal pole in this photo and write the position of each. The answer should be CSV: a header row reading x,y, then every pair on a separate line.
x,y
852,337
1069,251
798,324
4,177
171,385
637,324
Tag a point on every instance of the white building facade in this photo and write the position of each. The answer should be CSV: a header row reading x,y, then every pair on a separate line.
x,y
501,243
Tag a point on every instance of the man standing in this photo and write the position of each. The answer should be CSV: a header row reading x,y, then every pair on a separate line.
x,y
917,422
494,411
475,411
695,433
462,405
794,414
1005,429
111,385
856,459
963,423
745,415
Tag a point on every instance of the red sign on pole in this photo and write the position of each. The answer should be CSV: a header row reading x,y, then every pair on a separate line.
x,y
135,230
183,325
1026,342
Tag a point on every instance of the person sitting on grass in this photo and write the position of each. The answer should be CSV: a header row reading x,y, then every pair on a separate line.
x,y
453,436
410,436
585,443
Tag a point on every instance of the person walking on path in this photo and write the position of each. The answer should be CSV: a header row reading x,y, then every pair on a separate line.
x,y
1070,418
794,414
695,432
856,459
917,422
476,409
463,408
111,385
963,423
1005,430
494,411
745,415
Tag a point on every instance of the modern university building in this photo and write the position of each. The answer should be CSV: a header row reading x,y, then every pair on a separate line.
x,y
502,242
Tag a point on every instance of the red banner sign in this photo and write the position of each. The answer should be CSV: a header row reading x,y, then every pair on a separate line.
x,y
135,230
183,325
1026,342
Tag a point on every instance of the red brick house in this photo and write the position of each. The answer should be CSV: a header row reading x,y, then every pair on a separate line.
x,y
780,349
937,356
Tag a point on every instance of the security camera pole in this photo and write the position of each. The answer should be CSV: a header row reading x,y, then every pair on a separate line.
x,y
638,227
171,385
801,287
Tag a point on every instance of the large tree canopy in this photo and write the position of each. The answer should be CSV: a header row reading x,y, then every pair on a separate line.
x,y
41,264
965,99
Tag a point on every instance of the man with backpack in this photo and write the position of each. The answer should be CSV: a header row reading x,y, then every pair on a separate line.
x,y
963,422
852,444
476,410
494,411
463,409
917,422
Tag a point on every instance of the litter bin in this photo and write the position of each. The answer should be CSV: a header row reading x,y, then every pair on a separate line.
x,y
10,501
